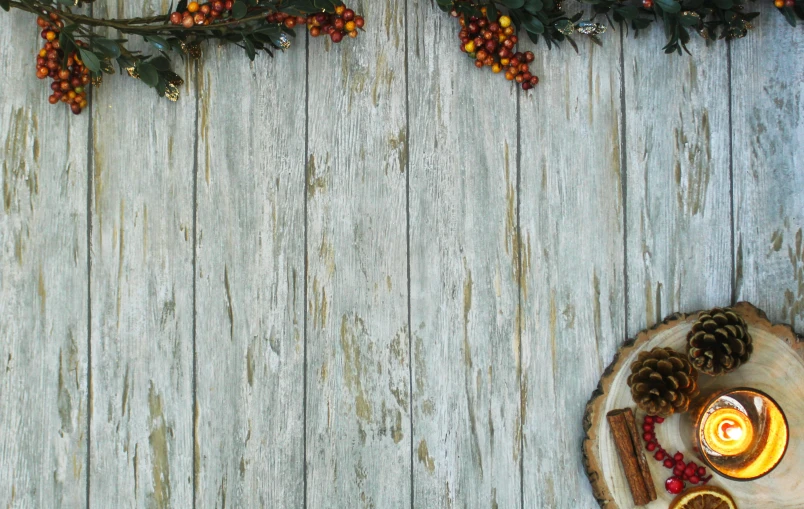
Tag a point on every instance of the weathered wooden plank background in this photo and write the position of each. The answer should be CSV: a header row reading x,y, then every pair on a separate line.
x,y
367,275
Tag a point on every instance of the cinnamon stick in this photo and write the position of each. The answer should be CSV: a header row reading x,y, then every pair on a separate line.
x,y
641,459
632,457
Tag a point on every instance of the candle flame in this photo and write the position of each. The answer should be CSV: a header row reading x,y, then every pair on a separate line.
x,y
732,432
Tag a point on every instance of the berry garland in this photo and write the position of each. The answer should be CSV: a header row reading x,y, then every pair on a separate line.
x,y
74,56
487,36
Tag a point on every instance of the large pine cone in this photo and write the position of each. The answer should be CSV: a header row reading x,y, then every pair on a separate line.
x,y
719,342
662,382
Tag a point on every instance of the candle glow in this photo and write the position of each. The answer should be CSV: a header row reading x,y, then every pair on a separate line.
x,y
728,432
742,434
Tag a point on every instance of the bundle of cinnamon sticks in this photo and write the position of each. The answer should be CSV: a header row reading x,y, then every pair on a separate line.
x,y
632,456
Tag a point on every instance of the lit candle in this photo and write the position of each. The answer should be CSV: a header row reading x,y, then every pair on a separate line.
x,y
741,433
728,432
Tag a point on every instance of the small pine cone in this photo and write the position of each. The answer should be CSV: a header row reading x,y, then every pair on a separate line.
x,y
719,342
662,382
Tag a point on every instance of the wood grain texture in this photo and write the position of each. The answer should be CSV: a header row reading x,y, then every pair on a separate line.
x,y
358,401
464,277
678,181
768,107
250,295
572,259
141,289
43,288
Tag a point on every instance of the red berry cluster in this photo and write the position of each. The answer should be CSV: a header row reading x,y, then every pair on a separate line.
x,y
682,472
286,19
70,83
337,26
198,14
784,3
344,22
491,43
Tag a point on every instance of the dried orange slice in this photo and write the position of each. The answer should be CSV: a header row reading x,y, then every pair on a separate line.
x,y
704,497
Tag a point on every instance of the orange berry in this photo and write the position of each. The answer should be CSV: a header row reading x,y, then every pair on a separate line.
x,y
496,68
339,9
50,35
193,7
470,47
350,26
353,34
509,76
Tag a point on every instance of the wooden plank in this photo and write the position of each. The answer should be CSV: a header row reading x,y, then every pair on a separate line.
x,y
678,207
464,277
43,286
767,110
141,287
572,260
358,422
250,307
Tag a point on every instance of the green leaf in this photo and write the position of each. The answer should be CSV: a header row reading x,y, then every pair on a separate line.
x,y
491,11
239,10
689,19
627,11
789,16
250,50
533,6
90,60
148,73
724,4
5,5
533,25
670,6
513,4
160,63
108,47
158,42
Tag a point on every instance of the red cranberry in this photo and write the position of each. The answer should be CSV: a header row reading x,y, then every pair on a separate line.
x,y
674,485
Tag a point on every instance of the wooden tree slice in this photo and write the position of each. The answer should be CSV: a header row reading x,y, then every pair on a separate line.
x,y
776,367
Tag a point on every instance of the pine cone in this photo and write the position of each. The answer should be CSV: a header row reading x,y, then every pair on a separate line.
x,y
719,342
662,382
